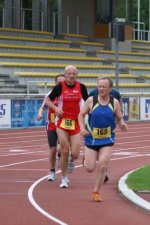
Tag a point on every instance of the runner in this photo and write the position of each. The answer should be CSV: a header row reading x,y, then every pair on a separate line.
x,y
70,94
51,131
99,134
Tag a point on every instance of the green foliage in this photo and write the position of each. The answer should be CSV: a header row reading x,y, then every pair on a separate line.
x,y
140,179
144,12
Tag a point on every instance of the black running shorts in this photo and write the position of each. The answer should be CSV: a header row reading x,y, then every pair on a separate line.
x,y
52,138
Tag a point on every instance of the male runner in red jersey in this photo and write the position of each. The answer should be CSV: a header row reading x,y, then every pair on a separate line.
x,y
70,93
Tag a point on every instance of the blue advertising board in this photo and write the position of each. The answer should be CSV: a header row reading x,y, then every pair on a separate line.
x,y
24,113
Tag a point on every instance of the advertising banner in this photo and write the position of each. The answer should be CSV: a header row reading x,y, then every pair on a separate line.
x,y
125,108
134,109
145,108
5,113
32,111
18,118
24,113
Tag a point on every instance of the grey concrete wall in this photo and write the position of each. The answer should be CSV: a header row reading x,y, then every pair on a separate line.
x,y
123,46
74,8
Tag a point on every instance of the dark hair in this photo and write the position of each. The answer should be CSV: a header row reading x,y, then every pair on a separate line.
x,y
59,75
106,78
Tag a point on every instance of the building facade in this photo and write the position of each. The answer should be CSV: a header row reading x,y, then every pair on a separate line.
x,y
85,17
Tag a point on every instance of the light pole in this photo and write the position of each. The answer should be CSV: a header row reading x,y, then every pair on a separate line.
x,y
116,54
139,6
119,36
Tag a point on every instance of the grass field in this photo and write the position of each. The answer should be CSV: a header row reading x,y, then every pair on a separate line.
x,y
139,180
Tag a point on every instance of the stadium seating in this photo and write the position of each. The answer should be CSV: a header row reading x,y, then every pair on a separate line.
x,y
39,56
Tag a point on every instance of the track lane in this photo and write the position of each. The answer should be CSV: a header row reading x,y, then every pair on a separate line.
x,y
20,169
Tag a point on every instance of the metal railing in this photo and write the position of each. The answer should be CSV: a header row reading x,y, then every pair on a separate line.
x,y
45,83
23,16
141,35
139,31
69,22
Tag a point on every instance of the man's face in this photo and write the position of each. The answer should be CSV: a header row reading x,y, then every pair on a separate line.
x,y
70,75
103,87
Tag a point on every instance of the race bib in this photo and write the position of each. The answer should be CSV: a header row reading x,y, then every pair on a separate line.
x,y
53,118
101,132
68,124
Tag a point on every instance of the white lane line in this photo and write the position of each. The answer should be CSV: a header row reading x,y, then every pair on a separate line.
x,y
33,202
29,169
23,153
24,162
18,150
31,189
23,136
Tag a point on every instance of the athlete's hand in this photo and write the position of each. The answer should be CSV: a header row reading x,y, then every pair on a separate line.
x,y
58,112
39,117
124,127
84,132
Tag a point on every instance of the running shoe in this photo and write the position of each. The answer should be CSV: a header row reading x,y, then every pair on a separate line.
x,y
51,176
96,197
71,164
64,182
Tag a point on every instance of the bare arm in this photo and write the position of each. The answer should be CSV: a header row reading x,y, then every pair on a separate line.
x,y
42,108
40,113
50,104
119,116
85,110
121,105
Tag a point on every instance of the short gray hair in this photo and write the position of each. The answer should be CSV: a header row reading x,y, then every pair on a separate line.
x,y
71,66
106,78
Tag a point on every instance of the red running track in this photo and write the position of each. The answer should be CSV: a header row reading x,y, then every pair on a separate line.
x,y
26,197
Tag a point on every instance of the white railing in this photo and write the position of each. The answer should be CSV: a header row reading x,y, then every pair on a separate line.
x,y
23,15
14,96
57,17
45,83
141,35
139,31
69,21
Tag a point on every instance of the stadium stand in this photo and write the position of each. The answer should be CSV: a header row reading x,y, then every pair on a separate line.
x,y
9,85
38,56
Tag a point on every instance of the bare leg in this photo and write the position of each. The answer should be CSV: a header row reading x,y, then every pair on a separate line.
x,y
64,143
75,145
52,157
103,160
90,159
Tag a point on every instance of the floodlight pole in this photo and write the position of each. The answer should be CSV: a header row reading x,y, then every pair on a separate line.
x,y
116,54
